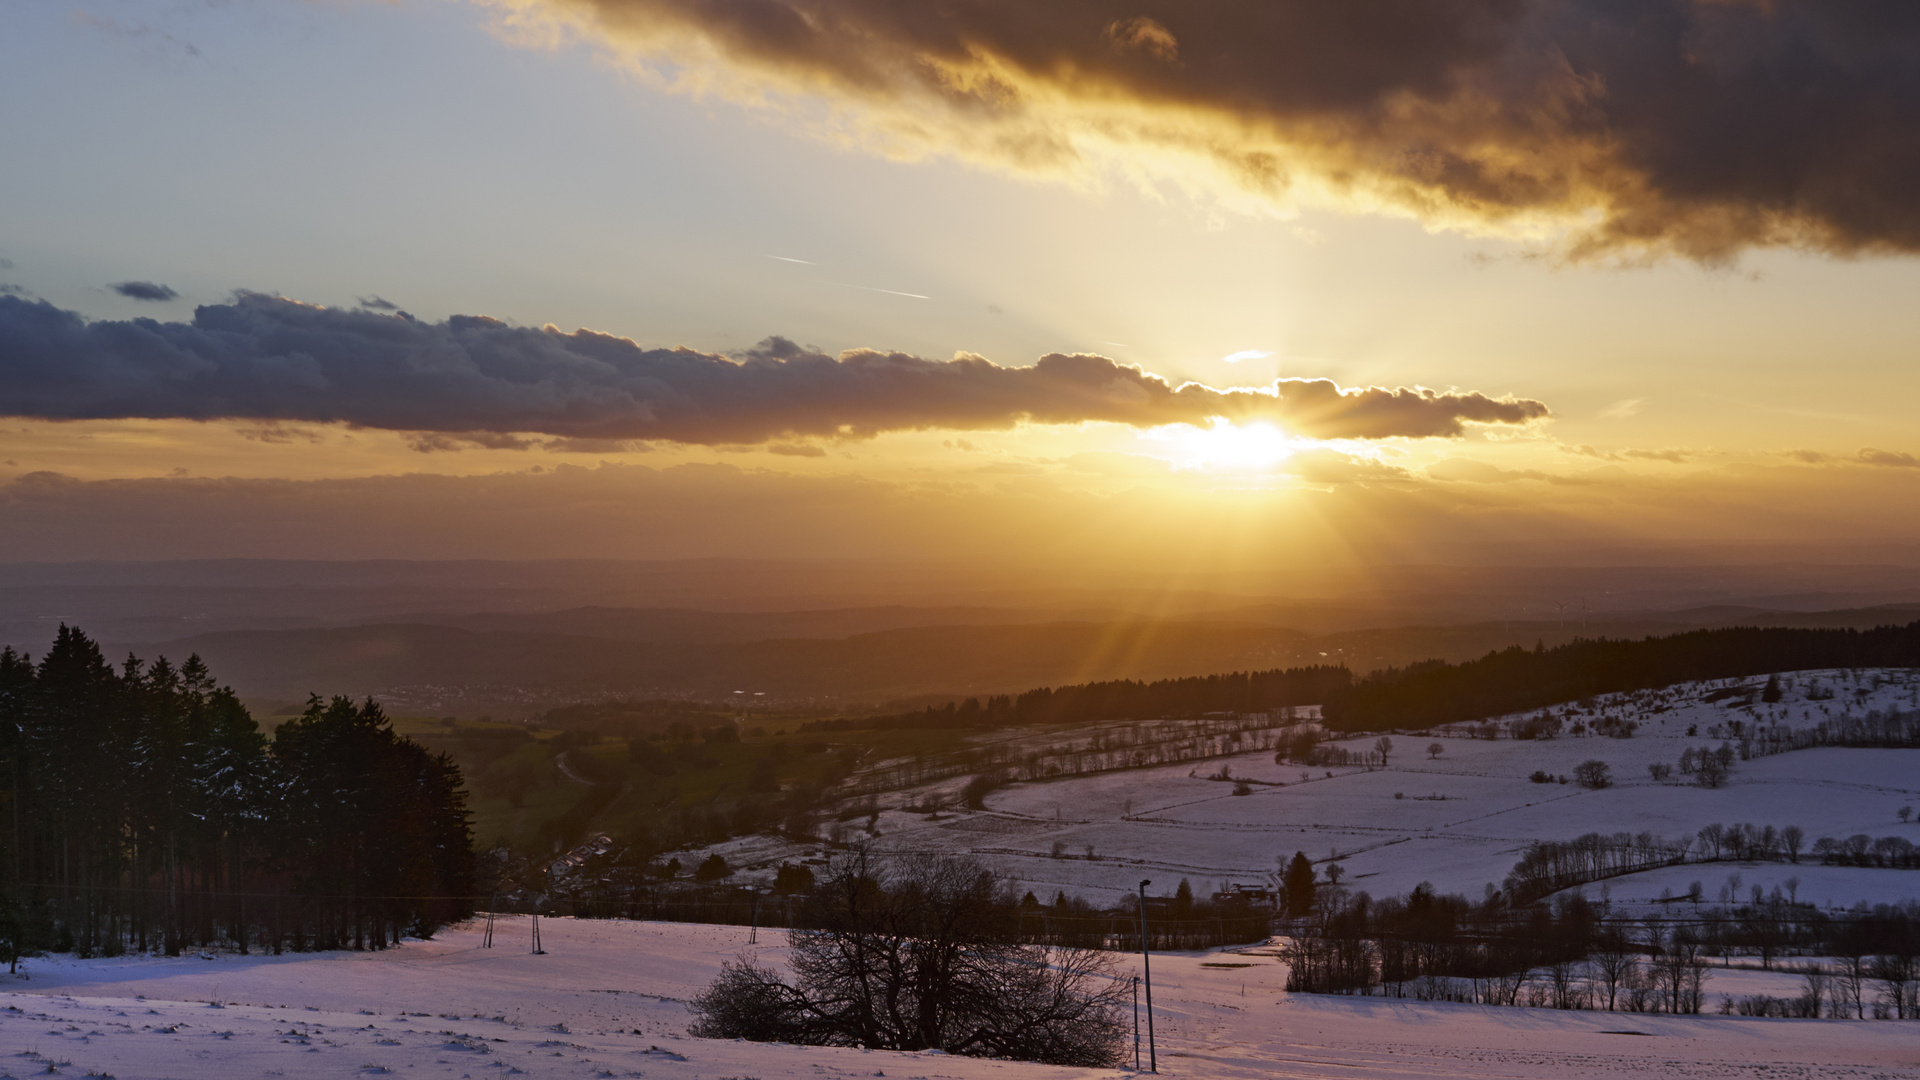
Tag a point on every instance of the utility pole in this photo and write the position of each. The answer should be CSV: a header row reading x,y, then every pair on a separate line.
x,y
486,941
537,950
753,921
1146,968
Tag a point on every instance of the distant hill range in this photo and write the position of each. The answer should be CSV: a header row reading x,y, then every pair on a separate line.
x,y
512,639
513,665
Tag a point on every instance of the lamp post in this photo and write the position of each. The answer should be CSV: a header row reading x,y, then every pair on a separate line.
x,y
1146,969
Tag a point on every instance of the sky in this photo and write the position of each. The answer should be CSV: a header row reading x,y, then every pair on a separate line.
x,y
1222,285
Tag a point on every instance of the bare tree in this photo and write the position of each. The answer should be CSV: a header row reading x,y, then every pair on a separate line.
x,y
1710,771
1614,962
921,956
1897,973
1813,990
1564,977
1593,773
1383,746
1791,838
1434,750
1850,948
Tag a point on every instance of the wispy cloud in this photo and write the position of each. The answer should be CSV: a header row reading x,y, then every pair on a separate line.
x,y
1467,470
144,290
1246,354
1672,455
1884,459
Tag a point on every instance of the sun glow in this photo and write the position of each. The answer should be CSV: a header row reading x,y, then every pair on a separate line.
x,y
1224,447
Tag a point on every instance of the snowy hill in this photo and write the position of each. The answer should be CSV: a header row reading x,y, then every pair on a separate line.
x,y
605,1001
1459,818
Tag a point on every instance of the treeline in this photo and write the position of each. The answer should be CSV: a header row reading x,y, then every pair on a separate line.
x,y
1105,749
1517,680
1572,954
1452,948
1892,728
1548,866
1123,699
144,810
628,884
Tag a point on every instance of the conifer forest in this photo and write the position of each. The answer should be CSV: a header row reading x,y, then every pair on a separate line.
x,y
144,809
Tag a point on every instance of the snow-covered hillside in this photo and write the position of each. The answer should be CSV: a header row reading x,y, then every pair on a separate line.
x,y
1458,819
606,1001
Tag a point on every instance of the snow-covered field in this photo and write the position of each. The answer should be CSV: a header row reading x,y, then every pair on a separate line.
x,y
606,1001
1459,819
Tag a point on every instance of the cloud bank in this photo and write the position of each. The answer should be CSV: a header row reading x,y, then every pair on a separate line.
x,y
1644,127
267,358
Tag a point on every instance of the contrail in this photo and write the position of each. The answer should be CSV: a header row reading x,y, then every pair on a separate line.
x,y
802,262
889,292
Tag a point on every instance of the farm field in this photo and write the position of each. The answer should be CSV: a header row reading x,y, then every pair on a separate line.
x,y
1458,818
607,1000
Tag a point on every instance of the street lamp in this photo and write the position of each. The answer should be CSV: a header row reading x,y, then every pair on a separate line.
x,y
1146,968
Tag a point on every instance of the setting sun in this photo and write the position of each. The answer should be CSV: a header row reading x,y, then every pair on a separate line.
x,y
1224,446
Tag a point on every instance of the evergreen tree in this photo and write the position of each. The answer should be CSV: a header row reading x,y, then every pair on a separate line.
x,y
141,807
1298,883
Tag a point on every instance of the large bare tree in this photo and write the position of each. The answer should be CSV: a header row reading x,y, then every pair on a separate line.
x,y
917,954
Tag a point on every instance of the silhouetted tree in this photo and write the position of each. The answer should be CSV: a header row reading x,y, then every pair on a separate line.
x,y
1593,773
1772,694
140,807
1298,885
920,955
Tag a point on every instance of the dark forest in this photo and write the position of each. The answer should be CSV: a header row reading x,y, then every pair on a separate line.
x,y
145,810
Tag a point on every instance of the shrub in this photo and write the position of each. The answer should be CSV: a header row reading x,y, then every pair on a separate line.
x,y
974,795
790,880
1593,774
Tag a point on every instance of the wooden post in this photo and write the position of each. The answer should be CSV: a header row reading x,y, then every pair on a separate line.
x,y
1146,967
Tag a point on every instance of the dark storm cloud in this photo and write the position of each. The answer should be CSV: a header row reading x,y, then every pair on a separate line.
x,y
144,290
473,380
1693,126
376,302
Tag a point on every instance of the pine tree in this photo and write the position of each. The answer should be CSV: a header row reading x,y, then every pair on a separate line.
x,y
1298,883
